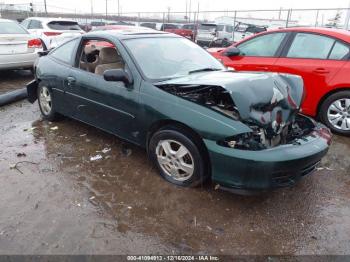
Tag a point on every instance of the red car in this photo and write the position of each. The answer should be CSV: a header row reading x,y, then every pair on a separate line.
x,y
320,55
175,29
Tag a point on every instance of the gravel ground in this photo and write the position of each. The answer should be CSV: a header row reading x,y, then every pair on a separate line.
x,y
54,200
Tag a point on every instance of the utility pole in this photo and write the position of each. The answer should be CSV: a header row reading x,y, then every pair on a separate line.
x,y
347,18
168,14
197,13
118,8
189,12
106,9
45,6
92,9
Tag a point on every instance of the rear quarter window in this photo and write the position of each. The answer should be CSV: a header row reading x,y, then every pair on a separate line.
x,y
65,52
11,28
339,52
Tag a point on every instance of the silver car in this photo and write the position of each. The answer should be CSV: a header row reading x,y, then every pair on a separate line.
x,y
18,49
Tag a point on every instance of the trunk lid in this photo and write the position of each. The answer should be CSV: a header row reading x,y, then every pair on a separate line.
x,y
14,44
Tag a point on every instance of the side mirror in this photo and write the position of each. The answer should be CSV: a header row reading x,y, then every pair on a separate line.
x,y
118,75
232,51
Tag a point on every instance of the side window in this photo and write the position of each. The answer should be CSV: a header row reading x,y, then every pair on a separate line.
x,y
35,24
229,28
97,56
65,52
265,45
220,28
310,46
339,51
25,23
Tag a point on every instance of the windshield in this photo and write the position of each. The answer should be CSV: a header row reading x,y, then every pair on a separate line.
x,y
11,28
165,58
63,25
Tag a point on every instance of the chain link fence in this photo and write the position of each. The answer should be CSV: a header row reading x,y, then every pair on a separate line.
x,y
278,18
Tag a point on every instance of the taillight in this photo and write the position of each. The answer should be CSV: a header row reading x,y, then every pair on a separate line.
x,y
34,43
51,33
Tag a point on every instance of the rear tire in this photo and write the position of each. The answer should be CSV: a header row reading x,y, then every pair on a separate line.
x,y
335,112
46,103
178,156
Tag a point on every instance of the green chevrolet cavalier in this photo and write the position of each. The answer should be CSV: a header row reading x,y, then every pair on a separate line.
x,y
196,119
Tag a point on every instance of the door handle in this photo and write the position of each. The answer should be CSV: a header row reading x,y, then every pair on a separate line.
x,y
70,80
321,71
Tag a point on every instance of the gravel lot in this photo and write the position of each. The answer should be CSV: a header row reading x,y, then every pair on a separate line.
x,y
57,201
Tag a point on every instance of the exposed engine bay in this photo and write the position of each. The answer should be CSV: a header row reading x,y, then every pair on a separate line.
x,y
274,122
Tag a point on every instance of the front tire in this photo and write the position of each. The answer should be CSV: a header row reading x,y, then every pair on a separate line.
x,y
179,158
335,112
46,104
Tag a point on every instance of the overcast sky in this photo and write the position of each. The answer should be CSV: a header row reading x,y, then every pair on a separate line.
x,y
180,5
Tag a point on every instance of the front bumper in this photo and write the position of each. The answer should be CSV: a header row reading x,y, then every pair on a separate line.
x,y
276,167
17,61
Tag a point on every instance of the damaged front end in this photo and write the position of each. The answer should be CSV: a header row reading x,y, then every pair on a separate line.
x,y
269,104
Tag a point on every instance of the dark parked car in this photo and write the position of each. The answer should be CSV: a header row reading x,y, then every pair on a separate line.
x,y
195,118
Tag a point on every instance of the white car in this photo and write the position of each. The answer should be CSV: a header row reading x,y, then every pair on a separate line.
x,y
209,32
18,49
52,31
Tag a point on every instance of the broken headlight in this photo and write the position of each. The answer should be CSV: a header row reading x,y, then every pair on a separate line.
x,y
245,141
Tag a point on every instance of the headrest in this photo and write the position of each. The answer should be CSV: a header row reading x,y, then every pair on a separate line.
x,y
109,55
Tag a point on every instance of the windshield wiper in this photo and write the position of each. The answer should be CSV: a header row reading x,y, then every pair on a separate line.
x,y
204,70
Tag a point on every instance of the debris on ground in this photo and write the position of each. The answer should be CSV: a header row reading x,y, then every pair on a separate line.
x,y
21,154
217,187
15,166
105,150
324,168
54,128
29,129
83,135
94,158
126,151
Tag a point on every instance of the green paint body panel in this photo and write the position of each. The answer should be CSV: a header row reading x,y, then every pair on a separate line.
x,y
130,112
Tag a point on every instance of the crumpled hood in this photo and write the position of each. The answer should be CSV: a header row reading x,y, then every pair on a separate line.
x,y
263,98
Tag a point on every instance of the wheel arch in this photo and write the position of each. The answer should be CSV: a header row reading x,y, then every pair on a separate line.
x,y
332,92
169,122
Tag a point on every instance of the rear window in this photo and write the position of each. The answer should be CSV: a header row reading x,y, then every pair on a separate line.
x,y
95,23
63,25
149,25
170,26
206,27
191,27
11,28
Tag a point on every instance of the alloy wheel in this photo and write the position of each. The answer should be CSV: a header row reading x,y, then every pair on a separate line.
x,y
45,100
175,159
339,114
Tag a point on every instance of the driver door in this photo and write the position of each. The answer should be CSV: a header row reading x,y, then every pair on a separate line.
x,y
110,106
259,53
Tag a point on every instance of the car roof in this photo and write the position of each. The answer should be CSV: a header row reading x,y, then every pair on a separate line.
x,y
130,34
50,19
337,33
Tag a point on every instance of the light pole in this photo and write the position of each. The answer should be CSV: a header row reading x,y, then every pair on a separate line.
x,y
106,9
118,8
45,6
